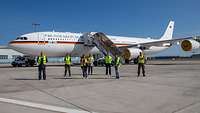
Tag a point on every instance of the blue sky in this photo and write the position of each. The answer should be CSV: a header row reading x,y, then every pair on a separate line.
x,y
140,18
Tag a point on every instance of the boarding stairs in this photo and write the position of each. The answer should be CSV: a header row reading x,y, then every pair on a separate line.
x,y
102,42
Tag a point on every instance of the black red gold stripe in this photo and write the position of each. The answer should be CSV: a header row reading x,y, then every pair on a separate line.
x,y
43,42
58,42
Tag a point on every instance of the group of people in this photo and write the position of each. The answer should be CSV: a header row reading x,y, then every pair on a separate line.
x,y
86,63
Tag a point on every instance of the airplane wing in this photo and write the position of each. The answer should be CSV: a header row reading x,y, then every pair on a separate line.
x,y
155,43
104,44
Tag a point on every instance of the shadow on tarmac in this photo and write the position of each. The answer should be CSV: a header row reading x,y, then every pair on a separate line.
x,y
25,79
84,78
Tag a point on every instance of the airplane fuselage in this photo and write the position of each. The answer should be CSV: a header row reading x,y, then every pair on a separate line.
x,y
59,43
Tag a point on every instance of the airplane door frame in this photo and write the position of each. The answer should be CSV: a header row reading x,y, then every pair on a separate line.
x,y
41,39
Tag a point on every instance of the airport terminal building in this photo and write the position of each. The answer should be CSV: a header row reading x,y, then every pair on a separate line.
x,y
7,55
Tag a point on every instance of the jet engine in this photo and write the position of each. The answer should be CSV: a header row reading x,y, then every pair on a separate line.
x,y
131,53
189,45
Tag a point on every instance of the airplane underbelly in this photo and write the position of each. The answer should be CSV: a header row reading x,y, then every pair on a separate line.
x,y
54,50
154,49
48,49
57,49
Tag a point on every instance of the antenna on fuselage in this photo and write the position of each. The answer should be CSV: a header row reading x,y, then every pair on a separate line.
x,y
53,26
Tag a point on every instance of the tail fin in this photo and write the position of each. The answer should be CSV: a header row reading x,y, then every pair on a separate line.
x,y
169,31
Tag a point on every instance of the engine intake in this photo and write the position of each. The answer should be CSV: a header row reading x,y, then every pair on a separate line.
x,y
130,53
189,45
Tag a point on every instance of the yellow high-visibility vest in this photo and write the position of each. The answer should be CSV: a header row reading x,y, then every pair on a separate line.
x,y
108,59
68,60
141,59
44,59
90,59
117,61
83,61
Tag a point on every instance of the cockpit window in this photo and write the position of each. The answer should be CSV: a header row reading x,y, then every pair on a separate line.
x,y
21,38
18,38
25,38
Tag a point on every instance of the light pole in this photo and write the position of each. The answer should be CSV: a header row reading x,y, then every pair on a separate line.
x,y
35,25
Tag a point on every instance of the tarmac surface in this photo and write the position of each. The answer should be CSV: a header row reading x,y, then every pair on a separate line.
x,y
170,87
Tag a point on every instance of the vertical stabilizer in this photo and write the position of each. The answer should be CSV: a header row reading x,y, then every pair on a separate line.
x,y
169,31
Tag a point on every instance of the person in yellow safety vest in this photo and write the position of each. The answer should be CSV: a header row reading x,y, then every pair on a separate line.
x,y
117,64
42,60
108,61
67,60
87,62
141,61
83,62
90,64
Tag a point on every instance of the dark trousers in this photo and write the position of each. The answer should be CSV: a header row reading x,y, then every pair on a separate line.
x,y
68,68
140,65
84,71
108,68
117,72
42,69
90,69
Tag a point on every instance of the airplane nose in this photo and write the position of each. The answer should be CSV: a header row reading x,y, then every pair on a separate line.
x,y
10,44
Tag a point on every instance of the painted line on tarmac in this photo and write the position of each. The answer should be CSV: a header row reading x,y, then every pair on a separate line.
x,y
41,106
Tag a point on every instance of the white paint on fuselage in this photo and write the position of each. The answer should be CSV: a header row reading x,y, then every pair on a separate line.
x,y
48,44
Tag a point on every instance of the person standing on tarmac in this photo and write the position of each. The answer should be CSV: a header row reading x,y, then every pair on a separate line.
x,y
83,62
90,64
86,62
141,61
108,61
117,64
67,60
86,65
42,60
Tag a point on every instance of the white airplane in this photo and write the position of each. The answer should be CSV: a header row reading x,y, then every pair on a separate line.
x,y
59,43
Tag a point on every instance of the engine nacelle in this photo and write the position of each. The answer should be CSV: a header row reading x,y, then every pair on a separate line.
x,y
189,45
130,53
